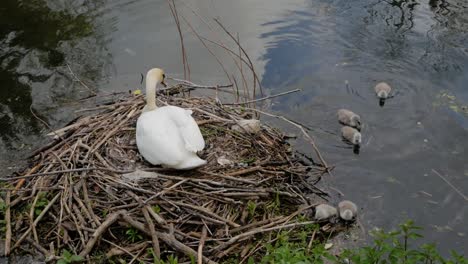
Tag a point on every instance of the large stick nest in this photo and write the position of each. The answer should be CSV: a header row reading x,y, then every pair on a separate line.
x,y
92,194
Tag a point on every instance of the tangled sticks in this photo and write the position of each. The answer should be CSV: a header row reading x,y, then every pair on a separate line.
x,y
92,194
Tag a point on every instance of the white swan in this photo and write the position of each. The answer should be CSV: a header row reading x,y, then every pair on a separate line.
x,y
168,135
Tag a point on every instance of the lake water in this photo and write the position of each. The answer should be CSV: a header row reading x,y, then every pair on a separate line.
x,y
418,47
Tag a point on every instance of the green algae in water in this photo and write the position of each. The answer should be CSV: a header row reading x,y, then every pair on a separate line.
x,y
445,99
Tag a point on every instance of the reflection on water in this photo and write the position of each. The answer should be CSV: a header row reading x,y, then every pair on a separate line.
x,y
418,47
37,40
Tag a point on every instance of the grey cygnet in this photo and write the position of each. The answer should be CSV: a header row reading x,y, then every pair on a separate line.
x,y
349,118
351,135
382,90
348,210
324,211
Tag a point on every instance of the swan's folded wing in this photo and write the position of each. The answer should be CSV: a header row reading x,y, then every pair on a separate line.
x,y
158,141
191,133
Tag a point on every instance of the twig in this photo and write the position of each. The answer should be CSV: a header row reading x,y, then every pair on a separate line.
x,y
100,230
36,221
244,82
206,211
81,82
306,135
309,246
264,98
194,85
8,224
137,255
200,245
154,236
118,250
261,230
173,8
22,180
207,48
246,55
169,239
451,185
29,175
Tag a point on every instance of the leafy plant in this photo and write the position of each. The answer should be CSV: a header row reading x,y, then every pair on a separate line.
x,y
249,160
170,259
2,227
251,206
133,235
283,251
3,207
387,247
274,205
41,203
156,209
68,257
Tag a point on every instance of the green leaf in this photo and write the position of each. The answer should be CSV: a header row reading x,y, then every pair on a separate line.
x,y
156,209
66,254
76,258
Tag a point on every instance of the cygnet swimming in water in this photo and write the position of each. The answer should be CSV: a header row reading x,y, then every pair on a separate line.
x,y
351,135
348,210
324,211
382,90
349,118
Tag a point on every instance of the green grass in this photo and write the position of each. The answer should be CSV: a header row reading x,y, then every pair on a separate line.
x,y
388,247
133,235
68,258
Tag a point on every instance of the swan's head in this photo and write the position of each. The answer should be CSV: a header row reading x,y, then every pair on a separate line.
x,y
357,138
356,122
382,94
156,74
347,215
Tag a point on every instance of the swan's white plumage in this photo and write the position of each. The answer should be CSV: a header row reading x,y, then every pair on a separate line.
x,y
168,135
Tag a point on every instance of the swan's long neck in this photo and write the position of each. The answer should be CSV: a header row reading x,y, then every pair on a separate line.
x,y
151,84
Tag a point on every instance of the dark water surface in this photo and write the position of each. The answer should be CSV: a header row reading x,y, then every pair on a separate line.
x,y
419,47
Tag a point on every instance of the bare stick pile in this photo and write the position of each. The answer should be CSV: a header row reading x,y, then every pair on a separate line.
x,y
92,194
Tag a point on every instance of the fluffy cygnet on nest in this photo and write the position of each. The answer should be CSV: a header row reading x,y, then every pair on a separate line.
x,y
324,211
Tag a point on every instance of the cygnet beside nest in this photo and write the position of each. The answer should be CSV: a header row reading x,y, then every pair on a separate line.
x,y
324,211
348,210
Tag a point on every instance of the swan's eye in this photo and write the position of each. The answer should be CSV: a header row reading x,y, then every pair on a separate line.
x,y
164,76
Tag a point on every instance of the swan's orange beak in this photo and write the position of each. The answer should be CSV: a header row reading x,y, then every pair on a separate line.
x,y
163,84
